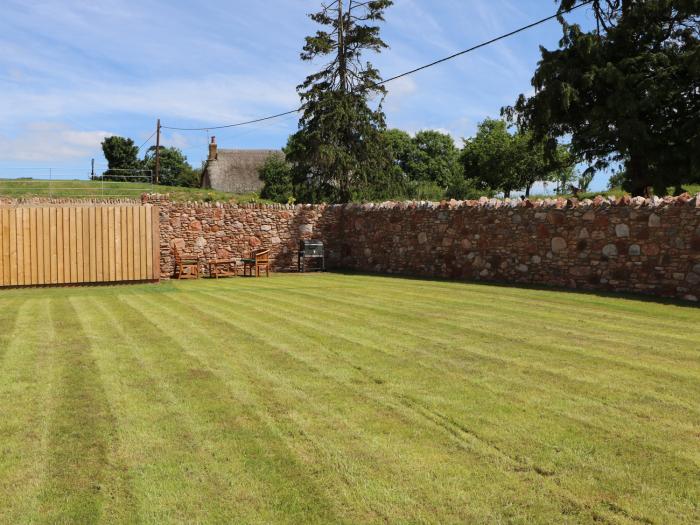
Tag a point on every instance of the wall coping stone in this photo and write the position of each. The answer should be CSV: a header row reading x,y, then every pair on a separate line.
x,y
599,202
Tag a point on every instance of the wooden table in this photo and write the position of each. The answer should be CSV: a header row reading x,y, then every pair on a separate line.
x,y
222,268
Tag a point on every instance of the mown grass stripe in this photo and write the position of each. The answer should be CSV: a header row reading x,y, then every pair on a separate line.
x,y
473,340
174,472
680,465
560,349
577,325
268,382
21,455
639,309
614,418
80,428
220,417
401,410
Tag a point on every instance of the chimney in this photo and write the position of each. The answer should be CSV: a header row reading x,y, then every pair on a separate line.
x,y
212,149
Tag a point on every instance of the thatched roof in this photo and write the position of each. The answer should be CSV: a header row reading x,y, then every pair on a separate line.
x,y
236,170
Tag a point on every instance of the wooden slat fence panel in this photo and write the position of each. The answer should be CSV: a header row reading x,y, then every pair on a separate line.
x,y
78,244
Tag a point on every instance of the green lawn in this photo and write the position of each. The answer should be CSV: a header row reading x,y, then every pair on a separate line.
x,y
334,398
87,189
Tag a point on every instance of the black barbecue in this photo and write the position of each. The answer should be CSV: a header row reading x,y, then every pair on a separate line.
x,y
311,256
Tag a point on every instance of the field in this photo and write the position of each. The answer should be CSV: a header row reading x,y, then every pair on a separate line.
x,y
88,189
346,398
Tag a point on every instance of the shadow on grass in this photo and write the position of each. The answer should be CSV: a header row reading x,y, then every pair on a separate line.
x,y
632,296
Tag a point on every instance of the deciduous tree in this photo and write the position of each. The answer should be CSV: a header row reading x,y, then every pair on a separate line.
x,y
122,157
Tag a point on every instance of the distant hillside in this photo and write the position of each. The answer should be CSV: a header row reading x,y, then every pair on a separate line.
x,y
84,189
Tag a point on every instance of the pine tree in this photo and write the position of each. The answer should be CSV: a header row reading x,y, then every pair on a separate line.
x,y
337,152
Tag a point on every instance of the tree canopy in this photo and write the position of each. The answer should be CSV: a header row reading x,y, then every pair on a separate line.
x,y
174,168
122,157
627,91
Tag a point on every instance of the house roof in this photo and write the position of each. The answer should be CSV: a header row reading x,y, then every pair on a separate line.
x,y
236,170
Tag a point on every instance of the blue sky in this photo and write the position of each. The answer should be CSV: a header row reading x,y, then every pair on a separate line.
x,y
72,72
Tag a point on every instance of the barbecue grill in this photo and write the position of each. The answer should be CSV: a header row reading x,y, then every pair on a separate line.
x,y
311,255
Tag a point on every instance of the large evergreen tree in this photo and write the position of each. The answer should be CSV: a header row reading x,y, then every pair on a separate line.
x,y
338,150
627,91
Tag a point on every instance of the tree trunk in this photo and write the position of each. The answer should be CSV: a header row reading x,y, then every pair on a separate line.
x,y
527,189
639,176
342,63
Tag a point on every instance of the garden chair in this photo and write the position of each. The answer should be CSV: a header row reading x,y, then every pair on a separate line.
x,y
186,266
259,260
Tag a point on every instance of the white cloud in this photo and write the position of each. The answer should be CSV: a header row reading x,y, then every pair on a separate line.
x,y
50,142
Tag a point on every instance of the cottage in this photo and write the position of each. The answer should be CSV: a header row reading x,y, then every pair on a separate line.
x,y
235,170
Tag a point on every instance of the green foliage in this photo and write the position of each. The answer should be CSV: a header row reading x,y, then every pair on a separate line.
x,y
625,92
339,151
174,168
497,159
617,180
435,159
276,173
122,158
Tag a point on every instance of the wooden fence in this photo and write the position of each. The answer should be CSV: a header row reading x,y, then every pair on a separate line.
x,y
78,244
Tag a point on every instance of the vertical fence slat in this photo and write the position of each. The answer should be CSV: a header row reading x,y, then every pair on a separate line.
x,y
92,236
137,237
2,248
73,245
104,212
38,238
111,244
65,224
14,269
46,241
60,261
130,244
119,243
34,241
124,254
86,244
149,242
6,248
143,243
19,220
99,272
27,245
78,254
53,242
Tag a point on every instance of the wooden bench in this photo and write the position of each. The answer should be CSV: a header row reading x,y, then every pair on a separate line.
x,y
258,260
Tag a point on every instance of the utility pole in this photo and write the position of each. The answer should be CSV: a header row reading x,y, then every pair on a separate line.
x,y
157,152
92,169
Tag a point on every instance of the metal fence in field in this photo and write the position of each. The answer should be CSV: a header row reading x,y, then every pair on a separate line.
x,y
57,183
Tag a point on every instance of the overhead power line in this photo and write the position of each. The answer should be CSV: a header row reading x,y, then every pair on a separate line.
x,y
406,73
147,141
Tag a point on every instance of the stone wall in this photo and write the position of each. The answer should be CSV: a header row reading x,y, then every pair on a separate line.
x,y
637,245
221,230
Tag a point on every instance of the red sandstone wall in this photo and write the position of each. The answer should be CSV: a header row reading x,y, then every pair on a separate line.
x,y
218,230
637,245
